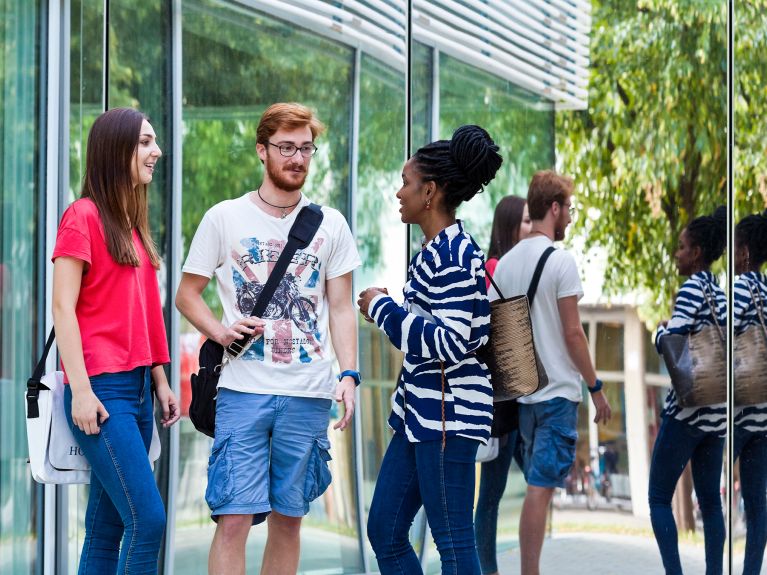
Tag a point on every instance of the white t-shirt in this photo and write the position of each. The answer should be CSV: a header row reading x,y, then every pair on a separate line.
x,y
559,280
240,244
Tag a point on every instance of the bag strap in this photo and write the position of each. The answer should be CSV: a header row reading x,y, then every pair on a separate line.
x,y
759,304
536,277
301,233
34,385
712,306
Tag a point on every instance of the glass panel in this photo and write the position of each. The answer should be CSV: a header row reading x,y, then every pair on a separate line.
x,y
653,361
522,125
235,65
20,327
381,238
609,346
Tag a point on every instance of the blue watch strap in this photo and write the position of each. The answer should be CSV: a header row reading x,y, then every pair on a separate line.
x,y
597,386
351,373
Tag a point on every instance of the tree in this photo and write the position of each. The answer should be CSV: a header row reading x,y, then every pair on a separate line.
x,y
750,108
649,153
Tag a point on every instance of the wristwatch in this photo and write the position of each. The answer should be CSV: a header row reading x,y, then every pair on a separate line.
x,y
597,386
351,373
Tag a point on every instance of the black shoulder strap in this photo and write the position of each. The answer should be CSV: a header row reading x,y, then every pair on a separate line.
x,y
301,233
33,383
537,275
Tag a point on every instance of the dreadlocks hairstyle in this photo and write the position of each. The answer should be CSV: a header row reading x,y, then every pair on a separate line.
x,y
460,166
751,232
709,233
506,223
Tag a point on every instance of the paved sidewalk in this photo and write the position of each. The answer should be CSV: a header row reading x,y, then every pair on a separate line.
x,y
602,554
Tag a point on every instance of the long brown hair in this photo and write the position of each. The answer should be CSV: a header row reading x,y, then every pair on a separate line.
x,y
506,223
112,141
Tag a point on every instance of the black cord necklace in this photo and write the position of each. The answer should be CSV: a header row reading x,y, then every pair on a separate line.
x,y
283,208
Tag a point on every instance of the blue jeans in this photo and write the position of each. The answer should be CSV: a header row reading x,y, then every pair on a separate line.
x,y
752,450
492,484
125,517
676,444
416,474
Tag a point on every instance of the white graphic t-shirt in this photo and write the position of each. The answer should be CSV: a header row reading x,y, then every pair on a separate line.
x,y
240,244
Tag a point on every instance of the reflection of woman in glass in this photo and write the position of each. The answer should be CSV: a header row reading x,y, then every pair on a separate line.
x,y
108,315
511,223
693,434
750,436
442,407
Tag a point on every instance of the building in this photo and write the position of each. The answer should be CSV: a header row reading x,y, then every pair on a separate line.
x,y
386,76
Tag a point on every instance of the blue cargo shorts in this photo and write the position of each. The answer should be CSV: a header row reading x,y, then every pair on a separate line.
x,y
270,452
547,435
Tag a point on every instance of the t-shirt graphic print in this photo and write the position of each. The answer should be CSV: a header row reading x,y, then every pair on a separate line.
x,y
292,311
240,244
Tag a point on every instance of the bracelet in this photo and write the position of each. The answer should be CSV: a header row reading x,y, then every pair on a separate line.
x,y
597,386
351,373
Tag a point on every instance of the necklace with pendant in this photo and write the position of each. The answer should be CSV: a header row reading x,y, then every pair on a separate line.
x,y
283,208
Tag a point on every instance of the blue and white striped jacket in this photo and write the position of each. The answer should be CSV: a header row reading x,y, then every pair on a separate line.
x,y
445,318
691,314
752,418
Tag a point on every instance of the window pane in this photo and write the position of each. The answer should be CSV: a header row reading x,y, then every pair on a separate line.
x,y
235,65
20,327
609,346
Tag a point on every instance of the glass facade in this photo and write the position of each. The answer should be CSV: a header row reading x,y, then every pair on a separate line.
x,y
204,71
20,289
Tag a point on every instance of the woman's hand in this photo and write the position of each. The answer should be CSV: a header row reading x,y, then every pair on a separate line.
x,y
88,413
165,396
170,411
248,326
663,323
365,297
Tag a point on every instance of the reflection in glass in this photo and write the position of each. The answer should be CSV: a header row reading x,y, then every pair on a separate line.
x,y
694,418
749,455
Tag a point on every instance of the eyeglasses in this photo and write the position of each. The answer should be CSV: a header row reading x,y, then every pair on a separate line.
x,y
289,150
570,207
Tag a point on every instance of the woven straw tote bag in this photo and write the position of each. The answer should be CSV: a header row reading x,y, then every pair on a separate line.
x,y
750,359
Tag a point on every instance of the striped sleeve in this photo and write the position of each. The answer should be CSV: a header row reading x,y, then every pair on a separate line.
x,y
455,299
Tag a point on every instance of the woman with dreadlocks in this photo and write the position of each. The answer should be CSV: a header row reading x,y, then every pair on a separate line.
x,y
442,407
750,432
693,434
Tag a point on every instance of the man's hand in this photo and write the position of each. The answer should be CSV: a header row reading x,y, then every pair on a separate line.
x,y
603,407
345,392
248,326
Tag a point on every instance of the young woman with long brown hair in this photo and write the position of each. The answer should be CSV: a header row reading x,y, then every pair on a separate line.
x,y
111,336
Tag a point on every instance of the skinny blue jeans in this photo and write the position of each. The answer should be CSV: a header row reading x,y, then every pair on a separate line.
x,y
492,484
422,474
676,444
125,517
752,450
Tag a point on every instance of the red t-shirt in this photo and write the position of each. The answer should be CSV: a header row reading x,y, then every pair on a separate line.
x,y
118,310
490,270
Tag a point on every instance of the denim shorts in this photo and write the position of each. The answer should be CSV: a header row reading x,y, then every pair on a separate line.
x,y
270,452
547,435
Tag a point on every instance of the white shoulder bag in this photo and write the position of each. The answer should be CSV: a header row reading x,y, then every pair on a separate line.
x,y
54,455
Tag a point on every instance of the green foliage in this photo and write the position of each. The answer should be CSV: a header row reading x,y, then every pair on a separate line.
x,y
649,154
750,107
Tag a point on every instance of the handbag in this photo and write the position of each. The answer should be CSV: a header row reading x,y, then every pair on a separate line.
x,y
750,359
488,451
510,355
696,363
204,383
54,454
